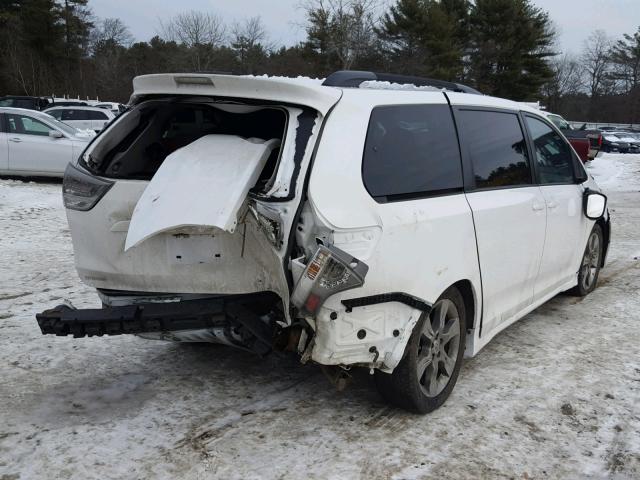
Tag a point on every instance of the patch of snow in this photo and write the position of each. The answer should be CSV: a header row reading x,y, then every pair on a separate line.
x,y
300,79
616,171
380,85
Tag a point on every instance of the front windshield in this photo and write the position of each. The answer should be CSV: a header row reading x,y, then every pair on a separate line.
x,y
63,127
560,122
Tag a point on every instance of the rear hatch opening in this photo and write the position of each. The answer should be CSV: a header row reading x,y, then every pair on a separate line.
x,y
202,194
140,141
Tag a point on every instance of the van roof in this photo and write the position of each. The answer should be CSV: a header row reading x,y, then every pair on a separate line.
x,y
300,91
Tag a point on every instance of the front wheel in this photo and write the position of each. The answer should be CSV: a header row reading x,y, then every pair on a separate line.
x,y
425,376
590,264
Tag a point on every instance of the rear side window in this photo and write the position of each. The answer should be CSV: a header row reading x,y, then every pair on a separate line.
x,y
94,115
69,115
57,114
554,160
411,151
497,148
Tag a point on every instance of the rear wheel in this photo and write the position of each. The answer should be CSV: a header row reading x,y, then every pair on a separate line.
x,y
590,264
424,378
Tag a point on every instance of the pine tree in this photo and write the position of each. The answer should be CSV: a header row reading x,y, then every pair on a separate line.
x,y
426,37
626,57
510,42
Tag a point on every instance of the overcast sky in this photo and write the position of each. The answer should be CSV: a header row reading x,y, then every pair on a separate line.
x,y
574,19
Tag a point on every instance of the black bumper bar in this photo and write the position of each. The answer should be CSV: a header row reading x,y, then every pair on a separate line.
x,y
161,317
150,317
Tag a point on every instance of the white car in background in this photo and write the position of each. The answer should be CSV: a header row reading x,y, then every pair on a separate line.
x,y
83,118
113,107
34,143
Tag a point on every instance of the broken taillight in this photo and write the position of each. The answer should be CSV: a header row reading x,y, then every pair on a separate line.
x,y
81,190
329,271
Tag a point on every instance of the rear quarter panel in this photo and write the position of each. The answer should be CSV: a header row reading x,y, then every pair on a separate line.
x,y
419,247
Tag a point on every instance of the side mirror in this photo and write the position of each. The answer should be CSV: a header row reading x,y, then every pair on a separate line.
x,y
595,204
55,134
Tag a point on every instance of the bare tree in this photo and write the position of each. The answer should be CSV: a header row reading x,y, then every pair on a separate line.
x,y
251,32
194,28
113,31
249,41
596,59
345,28
200,32
568,79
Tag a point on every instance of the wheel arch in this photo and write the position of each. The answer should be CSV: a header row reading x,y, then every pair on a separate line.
x,y
605,225
468,292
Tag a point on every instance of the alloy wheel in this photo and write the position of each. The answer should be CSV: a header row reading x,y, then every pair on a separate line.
x,y
591,261
438,347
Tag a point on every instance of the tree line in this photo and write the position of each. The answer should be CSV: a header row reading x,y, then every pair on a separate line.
x,y
505,48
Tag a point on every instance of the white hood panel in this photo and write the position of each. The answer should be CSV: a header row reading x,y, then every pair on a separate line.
x,y
203,184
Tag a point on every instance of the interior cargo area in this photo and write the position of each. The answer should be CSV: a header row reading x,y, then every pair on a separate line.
x,y
140,141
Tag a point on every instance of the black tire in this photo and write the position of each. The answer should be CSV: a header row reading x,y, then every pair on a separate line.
x,y
403,388
590,264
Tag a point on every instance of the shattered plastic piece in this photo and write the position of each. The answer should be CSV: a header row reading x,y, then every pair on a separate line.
x,y
203,184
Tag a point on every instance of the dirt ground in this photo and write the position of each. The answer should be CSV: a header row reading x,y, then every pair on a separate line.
x,y
556,395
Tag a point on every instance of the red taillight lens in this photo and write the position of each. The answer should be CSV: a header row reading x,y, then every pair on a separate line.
x,y
329,271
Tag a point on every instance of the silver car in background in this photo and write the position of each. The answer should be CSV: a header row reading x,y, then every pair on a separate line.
x,y
36,144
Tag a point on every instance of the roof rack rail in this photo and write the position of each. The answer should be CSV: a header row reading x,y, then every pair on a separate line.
x,y
353,79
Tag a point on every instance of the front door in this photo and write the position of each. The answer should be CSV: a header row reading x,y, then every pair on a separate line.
x,y
31,149
566,225
508,212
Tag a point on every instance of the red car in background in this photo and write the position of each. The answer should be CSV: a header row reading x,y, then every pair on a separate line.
x,y
587,143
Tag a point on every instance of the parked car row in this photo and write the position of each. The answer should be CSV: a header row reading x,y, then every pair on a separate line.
x,y
623,141
44,103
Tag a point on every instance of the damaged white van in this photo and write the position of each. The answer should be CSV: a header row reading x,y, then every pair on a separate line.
x,y
357,222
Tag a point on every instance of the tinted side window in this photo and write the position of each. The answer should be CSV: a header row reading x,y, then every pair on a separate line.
x,y
411,151
57,114
554,160
496,147
69,115
81,115
93,115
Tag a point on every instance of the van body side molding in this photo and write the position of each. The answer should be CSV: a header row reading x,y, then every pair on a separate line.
x,y
401,297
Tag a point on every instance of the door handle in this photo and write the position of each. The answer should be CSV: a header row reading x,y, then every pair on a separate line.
x,y
16,140
537,206
552,205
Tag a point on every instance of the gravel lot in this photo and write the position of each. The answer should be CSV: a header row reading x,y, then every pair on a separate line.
x,y
557,395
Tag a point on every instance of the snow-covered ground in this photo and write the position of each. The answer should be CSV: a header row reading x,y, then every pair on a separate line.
x,y
557,395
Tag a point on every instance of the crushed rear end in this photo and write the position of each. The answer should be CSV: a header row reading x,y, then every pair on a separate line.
x,y
181,213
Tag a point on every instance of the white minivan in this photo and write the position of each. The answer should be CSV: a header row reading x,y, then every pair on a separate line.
x,y
378,221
